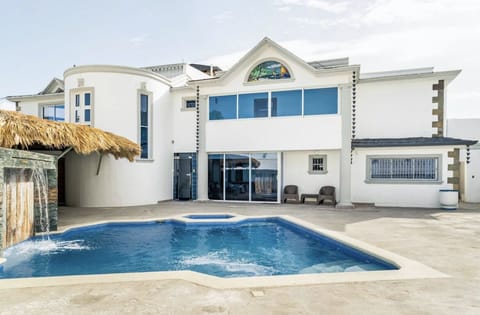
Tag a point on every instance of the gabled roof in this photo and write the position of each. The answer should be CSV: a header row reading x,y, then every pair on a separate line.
x,y
55,86
409,142
316,66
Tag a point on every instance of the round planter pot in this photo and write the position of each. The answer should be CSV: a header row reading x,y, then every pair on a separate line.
x,y
449,199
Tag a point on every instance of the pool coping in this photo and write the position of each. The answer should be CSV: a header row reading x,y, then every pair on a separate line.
x,y
408,269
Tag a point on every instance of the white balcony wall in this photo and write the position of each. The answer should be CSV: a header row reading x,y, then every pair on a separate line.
x,y
274,134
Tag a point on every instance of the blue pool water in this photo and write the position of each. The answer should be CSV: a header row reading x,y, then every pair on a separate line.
x,y
252,247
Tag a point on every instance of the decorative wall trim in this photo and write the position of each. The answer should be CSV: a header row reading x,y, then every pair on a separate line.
x,y
439,110
354,109
454,167
197,131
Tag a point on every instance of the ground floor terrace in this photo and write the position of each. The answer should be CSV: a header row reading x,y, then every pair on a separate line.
x,y
444,240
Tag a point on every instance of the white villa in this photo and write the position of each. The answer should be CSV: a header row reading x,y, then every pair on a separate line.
x,y
271,120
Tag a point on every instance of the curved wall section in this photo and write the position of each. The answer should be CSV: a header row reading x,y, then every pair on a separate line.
x,y
116,108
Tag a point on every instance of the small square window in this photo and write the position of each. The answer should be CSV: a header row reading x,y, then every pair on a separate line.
x,y
317,164
189,104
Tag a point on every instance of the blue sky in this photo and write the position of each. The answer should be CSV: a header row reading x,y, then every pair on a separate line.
x,y
40,39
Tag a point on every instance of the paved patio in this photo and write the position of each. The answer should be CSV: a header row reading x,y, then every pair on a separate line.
x,y
446,241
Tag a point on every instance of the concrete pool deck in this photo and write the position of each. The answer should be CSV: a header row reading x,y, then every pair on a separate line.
x,y
448,241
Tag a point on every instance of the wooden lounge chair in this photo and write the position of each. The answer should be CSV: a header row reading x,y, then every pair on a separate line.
x,y
290,192
326,193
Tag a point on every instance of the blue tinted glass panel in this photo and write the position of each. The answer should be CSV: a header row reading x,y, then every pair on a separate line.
x,y
143,110
77,99
223,107
87,115
60,113
87,99
253,105
320,101
49,112
144,142
287,103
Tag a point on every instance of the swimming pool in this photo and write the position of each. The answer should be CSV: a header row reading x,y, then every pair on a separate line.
x,y
250,247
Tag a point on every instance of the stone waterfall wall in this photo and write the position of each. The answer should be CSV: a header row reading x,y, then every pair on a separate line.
x,y
18,165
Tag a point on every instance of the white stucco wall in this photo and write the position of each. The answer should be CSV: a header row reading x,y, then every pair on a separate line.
x,y
31,106
184,122
395,108
7,105
397,195
468,129
274,134
115,109
295,171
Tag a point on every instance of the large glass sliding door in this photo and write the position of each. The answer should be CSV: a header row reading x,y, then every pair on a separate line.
x,y
236,176
215,176
264,177
243,177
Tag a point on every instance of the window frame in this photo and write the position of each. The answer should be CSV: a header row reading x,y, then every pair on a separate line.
x,y
184,104
269,93
436,181
149,95
42,106
310,164
79,110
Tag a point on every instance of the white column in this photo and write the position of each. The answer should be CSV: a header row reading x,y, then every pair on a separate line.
x,y
345,166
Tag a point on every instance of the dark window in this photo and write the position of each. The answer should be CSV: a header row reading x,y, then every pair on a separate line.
x,y
87,99
144,124
77,100
190,104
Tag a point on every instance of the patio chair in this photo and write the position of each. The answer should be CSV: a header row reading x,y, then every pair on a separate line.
x,y
326,193
290,192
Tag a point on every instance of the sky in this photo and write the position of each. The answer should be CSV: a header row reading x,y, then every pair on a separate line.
x,y
40,39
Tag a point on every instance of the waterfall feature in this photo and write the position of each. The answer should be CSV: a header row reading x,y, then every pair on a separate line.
x,y
40,180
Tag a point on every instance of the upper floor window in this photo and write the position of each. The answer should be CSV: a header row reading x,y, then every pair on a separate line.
x,y
274,104
190,104
320,101
53,112
287,103
83,106
269,70
145,124
222,107
253,105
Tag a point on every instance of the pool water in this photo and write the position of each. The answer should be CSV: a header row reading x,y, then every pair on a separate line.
x,y
253,247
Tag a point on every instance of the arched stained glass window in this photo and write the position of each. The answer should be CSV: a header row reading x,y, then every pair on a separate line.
x,y
269,70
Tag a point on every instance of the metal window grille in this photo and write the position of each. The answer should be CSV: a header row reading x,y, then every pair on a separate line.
x,y
317,164
404,168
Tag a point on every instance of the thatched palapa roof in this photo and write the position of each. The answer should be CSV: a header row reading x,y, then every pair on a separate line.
x,y
24,131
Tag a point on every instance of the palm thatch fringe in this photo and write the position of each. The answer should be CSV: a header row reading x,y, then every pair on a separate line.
x,y
20,130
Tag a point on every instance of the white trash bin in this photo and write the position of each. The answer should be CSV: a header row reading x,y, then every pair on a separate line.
x,y
449,199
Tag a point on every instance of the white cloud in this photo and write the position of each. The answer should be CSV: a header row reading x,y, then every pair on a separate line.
x,y
223,16
329,6
285,9
139,39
